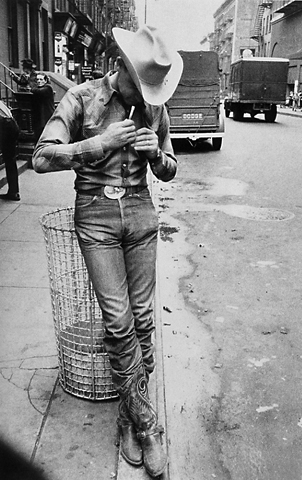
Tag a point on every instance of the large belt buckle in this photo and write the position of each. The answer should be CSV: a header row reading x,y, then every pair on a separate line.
x,y
114,192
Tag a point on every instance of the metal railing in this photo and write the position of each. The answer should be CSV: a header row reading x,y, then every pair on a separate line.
x,y
6,86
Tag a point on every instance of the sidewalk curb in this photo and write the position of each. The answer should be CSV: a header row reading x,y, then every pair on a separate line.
x,y
290,114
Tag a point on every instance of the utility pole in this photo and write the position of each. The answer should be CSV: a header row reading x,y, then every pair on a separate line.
x,y
145,11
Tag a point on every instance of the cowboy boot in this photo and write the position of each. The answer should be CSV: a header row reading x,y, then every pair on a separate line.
x,y
145,420
131,448
155,458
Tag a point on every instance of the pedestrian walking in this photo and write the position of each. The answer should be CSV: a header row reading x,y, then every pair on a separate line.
x,y
9,139
27,77
95,132
43,104
295,101
300,99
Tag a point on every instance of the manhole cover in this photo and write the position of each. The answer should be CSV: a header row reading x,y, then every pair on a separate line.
x,y
255,213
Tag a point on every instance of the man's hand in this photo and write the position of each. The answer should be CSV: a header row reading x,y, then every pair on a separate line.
x,y
118,134
146,141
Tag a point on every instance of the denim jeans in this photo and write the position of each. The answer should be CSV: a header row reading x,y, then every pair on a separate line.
x,y
118,239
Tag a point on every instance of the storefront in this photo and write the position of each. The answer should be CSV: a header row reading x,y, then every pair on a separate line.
x,y
72,47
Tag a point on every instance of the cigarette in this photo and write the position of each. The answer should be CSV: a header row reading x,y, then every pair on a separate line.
x,y
131,111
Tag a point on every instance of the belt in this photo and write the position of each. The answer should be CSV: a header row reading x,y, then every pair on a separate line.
x,y
113,192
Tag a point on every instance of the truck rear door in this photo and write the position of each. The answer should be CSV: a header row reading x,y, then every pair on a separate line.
x,y
195,106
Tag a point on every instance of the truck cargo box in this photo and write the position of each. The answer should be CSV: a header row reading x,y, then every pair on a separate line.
x,y
259,79
257,85
194,108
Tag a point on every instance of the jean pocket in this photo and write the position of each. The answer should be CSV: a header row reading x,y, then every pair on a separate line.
x,y
143,194
83,201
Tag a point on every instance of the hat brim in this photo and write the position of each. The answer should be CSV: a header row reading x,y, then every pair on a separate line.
x,y
28,65
153,94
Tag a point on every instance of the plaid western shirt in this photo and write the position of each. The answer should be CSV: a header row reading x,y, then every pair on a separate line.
x,y
72,139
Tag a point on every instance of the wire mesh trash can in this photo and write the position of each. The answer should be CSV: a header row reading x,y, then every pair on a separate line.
x,y
84,368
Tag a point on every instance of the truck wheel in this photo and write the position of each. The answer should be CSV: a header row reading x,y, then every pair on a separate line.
x,y
216,143
270,115
237,114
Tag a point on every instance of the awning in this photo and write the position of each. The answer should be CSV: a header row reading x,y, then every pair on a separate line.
x,y
98,43
84,37
66,23
83,18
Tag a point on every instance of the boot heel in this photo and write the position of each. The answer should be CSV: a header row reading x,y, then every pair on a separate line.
x,y
155,458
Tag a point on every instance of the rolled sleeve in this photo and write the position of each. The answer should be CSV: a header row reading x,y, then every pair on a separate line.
x,y
164,167
57,148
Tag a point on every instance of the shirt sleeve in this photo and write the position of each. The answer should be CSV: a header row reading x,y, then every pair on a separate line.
x,y
20,80
164,166
57,148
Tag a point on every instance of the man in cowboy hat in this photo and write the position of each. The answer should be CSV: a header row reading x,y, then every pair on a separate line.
x,y
92,133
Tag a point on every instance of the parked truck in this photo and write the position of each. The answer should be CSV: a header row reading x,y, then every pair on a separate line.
x,y
257,85
195,108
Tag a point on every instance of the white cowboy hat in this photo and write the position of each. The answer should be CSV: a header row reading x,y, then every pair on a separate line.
x,y
154,68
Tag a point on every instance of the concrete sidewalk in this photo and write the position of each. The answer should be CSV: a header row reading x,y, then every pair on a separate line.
x,y
68,437
288,111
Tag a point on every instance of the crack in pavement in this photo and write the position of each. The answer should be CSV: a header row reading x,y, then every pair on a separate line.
x,y
9,372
